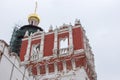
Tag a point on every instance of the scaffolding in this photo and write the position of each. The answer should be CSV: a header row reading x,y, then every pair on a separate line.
x,y
18,35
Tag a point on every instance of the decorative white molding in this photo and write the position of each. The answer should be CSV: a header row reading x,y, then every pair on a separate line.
x,y
63,31
79,51
63,51
70,40
26,34
77,26
36,37
38,32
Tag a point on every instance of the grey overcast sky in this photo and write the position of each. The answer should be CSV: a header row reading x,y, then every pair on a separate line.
x,y
100,18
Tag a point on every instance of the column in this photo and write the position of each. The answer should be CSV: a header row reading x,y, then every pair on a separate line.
x,y
42,45
70,40
55,43
64,66
73,64
46,68
55,67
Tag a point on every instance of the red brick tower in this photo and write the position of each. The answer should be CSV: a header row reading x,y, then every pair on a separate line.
x,y
60,54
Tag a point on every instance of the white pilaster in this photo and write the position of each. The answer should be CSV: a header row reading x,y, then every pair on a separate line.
x,y
64,66
42,45
73,64
55,42
55,67
70,40
46,68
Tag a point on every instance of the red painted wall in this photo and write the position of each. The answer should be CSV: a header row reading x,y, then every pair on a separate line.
x,y
51,68
78,38
42,69
68,64
48,50
80,62
34,70
23,49
60,66
36,41
48,45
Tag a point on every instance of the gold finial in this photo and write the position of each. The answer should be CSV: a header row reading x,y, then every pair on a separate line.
x,y
36,7
34,17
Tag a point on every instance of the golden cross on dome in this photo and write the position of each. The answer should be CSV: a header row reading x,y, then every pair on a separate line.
x,y
36,6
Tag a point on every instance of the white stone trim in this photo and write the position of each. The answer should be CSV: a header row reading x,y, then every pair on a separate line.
x,y
26,34
25,39
59,32
37,38
42,45
70,40
34,37
64,66
55,68
63,31
73,64
77,26
49,33
79,51
55,43
46,68
63,52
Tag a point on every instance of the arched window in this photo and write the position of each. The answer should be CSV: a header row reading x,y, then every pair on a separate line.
x,y
35,51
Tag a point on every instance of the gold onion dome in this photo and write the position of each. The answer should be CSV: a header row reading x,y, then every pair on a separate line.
x,y
34,16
